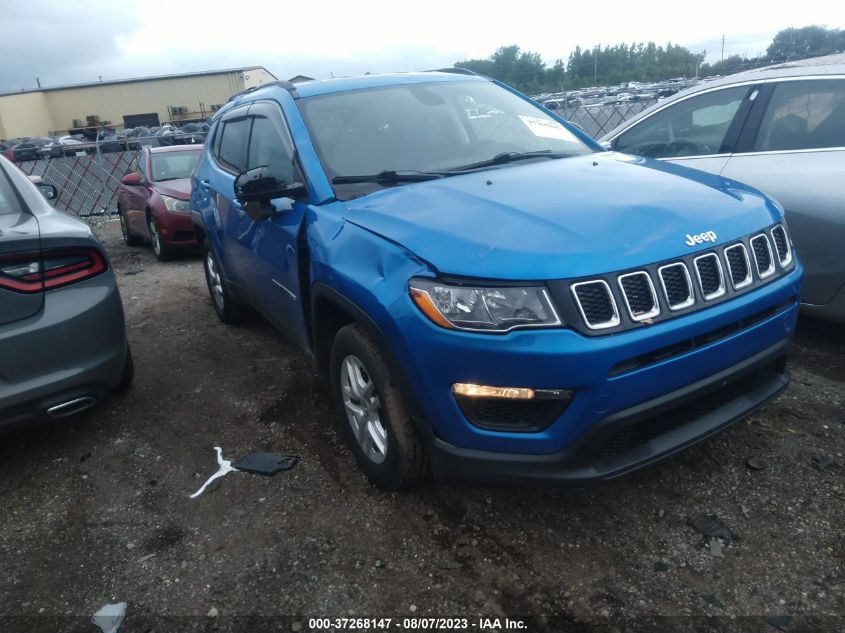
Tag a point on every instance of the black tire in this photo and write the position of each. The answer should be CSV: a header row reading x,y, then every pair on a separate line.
x,y
129,238
128,374
404,463
162,251
228,309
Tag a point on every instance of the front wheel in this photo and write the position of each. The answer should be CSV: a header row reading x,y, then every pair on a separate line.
x,y
227,308
377,424
160,247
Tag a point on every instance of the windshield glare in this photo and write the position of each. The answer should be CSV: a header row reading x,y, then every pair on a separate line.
x,y
173,165
428,127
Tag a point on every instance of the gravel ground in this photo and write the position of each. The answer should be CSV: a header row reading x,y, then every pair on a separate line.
x,y
97,510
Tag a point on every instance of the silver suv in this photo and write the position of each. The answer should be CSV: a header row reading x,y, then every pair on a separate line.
x,y
780,129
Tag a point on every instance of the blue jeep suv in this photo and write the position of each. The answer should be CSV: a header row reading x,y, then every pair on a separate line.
x,y
491,294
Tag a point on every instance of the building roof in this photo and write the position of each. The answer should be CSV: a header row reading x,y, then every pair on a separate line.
x,y
113,82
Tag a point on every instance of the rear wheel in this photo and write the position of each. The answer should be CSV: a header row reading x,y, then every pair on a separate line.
x,y
377,424
227,308
160,247
128,238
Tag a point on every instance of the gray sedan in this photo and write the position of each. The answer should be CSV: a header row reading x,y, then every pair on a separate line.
x,y
780,129
63,340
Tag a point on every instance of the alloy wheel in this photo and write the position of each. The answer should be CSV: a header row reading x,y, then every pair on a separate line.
x,y
363,409
214,281
154,237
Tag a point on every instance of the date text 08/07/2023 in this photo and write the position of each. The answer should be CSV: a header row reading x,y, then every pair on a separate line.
x,y
486,625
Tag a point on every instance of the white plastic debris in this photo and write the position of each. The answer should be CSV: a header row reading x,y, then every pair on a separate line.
x,y
224,469
110,617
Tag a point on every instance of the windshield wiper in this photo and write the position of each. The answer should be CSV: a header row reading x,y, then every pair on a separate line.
x,y
510,157
389,176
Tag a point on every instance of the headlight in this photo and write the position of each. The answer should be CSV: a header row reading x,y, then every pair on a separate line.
x,y
484,308
174,204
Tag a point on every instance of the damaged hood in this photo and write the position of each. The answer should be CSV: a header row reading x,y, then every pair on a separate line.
x,y
562,218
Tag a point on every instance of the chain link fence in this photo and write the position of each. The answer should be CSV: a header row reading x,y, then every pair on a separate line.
x,y
87,182
600,118
87,174
87,185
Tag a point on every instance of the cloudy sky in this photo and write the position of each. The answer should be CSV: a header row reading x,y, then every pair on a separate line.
x,y
69,42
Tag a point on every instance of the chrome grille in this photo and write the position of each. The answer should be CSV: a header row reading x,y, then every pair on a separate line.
x,y
626,300
763,255
782,245
596,304
639,295
677,285
739,268
708,269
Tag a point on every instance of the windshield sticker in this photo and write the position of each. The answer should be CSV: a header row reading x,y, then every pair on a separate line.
x,y
547,128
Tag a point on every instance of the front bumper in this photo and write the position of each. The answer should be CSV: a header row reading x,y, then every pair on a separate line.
x,y
176,229
634,437
678,362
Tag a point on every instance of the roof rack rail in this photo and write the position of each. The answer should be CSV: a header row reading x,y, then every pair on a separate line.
x,y
455,71
281,83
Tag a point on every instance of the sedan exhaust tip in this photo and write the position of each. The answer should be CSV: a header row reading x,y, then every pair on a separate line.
x,y
71,407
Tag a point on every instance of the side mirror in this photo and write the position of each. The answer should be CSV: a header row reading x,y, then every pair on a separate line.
x,y
133,180
607,145
48,191
260,185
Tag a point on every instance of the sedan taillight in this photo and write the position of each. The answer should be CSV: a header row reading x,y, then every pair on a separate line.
x,y
34,272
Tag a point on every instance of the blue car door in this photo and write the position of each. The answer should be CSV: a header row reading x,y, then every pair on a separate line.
x,y
274,244
235,230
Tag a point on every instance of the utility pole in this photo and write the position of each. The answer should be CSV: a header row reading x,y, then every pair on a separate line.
x,y
596,64
723,47
38,81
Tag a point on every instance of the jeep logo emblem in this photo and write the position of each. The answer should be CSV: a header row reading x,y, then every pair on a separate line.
x,y
707,236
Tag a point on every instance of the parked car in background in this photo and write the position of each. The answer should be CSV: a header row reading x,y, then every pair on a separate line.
x,y
494,302
62,335
29,149
780,129
63,146
152,199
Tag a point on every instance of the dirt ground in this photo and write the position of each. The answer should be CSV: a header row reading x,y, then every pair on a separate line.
x,y
97,510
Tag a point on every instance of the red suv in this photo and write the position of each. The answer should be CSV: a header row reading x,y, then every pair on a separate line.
x,y
153,199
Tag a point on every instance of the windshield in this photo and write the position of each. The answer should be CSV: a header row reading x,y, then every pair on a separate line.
x,y
430,127
173,165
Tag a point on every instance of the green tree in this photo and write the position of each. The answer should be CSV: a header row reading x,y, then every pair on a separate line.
x,y
808,41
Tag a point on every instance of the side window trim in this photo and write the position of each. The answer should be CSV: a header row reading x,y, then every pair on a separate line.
x,y
273,111
672,104
748,136
735,129
241,112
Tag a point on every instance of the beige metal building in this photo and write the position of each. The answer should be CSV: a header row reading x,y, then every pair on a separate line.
x,y
123,103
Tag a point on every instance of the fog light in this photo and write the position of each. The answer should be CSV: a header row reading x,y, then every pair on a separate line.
x,y
509,393
482,391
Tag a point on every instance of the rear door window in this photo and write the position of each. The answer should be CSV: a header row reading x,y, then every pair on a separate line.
x,y
234,137
804,114
696,126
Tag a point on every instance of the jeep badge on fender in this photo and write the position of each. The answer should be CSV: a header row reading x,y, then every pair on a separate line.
x,y
707,236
